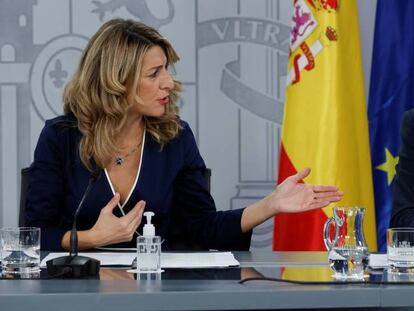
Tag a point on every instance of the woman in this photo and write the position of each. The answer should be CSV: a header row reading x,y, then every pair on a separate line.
x,y
121,119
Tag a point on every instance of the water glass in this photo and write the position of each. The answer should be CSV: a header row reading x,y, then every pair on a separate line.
x,y
20,250
400,250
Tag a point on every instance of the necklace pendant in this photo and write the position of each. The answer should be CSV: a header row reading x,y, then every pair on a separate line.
x,y
119,161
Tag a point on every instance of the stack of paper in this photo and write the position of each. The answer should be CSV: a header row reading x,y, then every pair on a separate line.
x,y
198,260
378,261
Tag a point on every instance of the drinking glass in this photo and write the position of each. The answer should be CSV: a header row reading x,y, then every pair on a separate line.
x,y
20,250
400,250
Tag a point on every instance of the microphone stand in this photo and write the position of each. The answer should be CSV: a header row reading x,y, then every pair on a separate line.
x,y
73,265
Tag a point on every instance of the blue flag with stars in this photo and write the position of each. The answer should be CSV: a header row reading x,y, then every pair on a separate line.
x,y
391,93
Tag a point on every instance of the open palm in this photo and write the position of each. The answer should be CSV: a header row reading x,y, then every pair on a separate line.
x,y
292,196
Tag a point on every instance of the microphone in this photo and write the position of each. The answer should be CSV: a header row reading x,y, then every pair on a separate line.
x,y
73,265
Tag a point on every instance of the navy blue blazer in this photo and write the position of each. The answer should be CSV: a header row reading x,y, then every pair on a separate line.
x,y
403,189
170,181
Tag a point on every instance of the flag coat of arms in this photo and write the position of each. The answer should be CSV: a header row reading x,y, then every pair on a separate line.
x,y
325,123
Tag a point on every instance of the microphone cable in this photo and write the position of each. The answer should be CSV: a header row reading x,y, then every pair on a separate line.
x,y
345,282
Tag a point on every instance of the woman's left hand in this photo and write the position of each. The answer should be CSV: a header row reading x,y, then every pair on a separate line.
x,y
292,196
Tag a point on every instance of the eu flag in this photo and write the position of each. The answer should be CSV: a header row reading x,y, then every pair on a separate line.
x,y
391,93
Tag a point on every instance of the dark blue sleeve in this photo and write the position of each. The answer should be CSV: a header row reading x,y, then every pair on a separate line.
x,y
46,187
403,188
212,229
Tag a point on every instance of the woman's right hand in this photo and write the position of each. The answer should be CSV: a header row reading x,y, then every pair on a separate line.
x,y
110,229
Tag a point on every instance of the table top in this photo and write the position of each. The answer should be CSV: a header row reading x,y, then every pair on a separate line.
x,y
211,289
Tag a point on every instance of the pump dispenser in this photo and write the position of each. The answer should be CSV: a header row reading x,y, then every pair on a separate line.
x,y
149,229
149,248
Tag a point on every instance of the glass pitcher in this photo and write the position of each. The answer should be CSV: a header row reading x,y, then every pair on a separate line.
x,y
344,239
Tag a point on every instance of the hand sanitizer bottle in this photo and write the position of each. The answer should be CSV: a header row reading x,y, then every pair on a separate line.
x,y
149,248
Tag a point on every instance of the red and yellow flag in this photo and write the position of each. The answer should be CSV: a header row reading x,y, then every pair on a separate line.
x,y
325,120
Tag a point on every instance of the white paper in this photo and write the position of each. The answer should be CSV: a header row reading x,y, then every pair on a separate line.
x,y
198,260
377,261
168,260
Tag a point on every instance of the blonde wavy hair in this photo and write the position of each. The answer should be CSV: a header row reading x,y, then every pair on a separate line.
x,y
97,94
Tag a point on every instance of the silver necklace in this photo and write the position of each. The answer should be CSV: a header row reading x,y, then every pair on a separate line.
x,y
119,160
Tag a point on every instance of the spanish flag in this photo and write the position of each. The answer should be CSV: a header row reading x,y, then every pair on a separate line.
x,y
325,120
